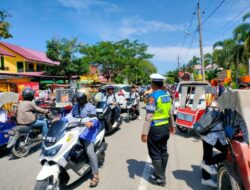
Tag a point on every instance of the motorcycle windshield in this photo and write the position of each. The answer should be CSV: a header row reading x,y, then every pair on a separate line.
x,y
101,104
55,132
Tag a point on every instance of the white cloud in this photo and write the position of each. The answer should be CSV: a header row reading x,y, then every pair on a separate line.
x,y
169,53
84,4
137,26
134,27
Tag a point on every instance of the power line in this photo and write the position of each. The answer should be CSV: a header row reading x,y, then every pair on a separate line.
x,y
191,44
228,23
213,12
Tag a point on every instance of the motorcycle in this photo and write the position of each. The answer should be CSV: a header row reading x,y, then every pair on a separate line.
x,y
105,115
63,151
131,109
7,99
23,138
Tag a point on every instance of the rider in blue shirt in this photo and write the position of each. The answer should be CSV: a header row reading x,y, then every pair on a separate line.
x,y
85,109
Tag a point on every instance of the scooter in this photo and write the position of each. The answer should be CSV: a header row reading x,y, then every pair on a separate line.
x,y
105,115
63,151
131,109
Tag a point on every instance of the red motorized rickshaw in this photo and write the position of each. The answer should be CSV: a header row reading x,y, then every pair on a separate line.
x,y
193,104
234,172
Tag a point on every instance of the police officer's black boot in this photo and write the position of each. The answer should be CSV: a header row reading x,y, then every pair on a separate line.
x,y
159,177
164,162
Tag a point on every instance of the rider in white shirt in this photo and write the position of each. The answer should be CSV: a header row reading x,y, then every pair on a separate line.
x,y
135,95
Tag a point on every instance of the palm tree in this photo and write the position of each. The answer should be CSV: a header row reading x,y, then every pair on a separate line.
x,y
223,52
242,36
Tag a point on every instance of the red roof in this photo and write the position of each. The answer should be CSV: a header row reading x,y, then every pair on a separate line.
x,y
30,54
3,52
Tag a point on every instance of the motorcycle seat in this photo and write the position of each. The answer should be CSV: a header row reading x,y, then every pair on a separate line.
x,y
23,128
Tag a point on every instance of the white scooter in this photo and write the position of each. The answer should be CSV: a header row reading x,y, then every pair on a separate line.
x,y
63,151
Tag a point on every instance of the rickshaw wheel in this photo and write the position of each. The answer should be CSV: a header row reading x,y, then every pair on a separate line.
x,y
225,181
182,129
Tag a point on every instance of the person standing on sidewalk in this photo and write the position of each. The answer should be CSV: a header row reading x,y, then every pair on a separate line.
x,y
158,123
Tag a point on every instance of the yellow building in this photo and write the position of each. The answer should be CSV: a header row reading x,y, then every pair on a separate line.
x,y
91,77
17,59
21,65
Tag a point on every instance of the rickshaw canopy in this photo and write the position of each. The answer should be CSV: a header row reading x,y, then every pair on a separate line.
x,y
238,100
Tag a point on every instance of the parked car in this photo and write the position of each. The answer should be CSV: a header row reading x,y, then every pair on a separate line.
x,y
122,91
177,94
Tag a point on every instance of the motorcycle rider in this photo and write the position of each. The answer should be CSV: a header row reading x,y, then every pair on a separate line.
x,y
26,111
112,100
83,109
135,95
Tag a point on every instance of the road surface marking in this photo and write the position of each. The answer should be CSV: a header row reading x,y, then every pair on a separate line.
x,y
145,175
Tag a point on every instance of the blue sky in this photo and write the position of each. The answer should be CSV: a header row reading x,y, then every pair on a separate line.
x,y
167,26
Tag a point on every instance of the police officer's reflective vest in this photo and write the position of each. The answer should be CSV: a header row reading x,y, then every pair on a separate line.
x,y
160,105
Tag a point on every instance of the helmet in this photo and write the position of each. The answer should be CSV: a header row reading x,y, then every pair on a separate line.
x,y
86,92
28,94
99,97
110,87
81,98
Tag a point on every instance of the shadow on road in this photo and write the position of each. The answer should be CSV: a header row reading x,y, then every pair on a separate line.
x,y
190,134
4,152
192,178
77,183
135,168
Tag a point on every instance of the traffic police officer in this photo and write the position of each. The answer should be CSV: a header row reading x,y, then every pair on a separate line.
x,y
158,123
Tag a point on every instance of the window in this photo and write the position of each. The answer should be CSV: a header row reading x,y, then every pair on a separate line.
x,y
2,63
40,67
20,67
30,67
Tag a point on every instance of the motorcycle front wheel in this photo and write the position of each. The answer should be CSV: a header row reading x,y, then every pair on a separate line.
x,y
46,184
20,149
225,181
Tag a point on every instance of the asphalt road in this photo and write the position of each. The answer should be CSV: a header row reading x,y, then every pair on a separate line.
x,y
127,164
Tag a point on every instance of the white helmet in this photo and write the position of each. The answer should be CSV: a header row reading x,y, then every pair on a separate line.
x,y
99,97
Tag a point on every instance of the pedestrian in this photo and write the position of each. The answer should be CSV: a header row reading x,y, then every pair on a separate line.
x,y
158,124
220,87
214,139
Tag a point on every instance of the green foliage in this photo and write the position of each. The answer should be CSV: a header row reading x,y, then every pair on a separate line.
x,y
4,25
63,51
172,76
120,60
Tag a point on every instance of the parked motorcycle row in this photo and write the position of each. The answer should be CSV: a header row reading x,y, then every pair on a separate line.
x,y
62,149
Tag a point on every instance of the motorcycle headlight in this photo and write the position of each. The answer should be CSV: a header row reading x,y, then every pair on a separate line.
x,y
52,151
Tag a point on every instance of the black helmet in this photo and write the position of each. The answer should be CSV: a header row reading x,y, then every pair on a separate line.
x,y
81,98
28,94
110,87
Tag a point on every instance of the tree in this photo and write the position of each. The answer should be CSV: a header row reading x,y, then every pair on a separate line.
x,y
242,36
4,25
63,51
118,60
208,59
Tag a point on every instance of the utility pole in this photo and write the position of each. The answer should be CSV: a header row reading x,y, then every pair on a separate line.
x,y
201,48
178,62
